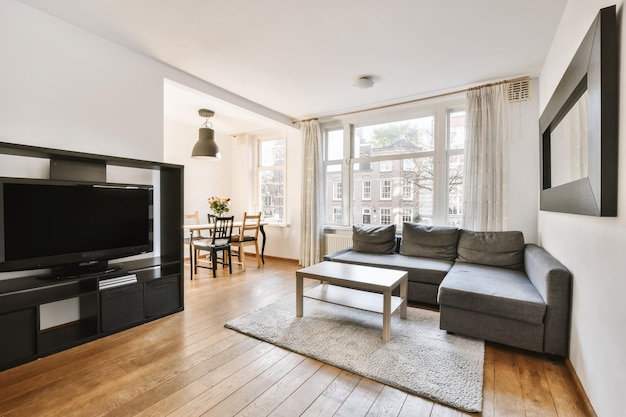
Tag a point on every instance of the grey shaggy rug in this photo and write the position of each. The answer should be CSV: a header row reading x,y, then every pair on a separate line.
x,y
420,358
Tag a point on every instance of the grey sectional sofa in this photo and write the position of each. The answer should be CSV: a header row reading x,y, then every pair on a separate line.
x,y
489,285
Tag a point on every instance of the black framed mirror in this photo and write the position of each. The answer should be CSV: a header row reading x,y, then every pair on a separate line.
x,y
579,128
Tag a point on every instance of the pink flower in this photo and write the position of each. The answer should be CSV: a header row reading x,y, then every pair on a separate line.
x,y
219,205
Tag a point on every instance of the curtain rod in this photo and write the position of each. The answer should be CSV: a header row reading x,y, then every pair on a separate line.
x,y
465,90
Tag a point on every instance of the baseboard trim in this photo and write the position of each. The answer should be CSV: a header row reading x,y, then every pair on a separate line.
x,y
280,258
581,391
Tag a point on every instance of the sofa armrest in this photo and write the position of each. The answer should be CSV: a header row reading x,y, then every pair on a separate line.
x,y
330,256
553,281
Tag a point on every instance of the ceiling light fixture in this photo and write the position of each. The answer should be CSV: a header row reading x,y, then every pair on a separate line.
x,y
364,81
206,147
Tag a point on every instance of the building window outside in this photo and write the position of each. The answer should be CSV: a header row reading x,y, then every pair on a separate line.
x,y
337,215
385,166
385,189
422,156
407,191
385,216
367,216
407,215
337,191
367,190
271,179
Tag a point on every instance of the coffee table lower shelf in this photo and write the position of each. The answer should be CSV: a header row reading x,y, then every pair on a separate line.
x,y
362,300
358,286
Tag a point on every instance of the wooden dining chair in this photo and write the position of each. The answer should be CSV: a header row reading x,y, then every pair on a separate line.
x,y
248,236
218,242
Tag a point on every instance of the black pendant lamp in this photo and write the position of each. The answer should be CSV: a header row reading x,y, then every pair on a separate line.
x,y
206,147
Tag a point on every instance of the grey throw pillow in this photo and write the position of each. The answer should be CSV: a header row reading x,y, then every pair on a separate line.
x,y
502,249
435,242
376,239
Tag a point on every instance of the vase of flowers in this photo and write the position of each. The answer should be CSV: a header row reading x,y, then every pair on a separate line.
x,y
219,205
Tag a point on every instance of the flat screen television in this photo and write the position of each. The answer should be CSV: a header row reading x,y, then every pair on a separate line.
x,y
72,227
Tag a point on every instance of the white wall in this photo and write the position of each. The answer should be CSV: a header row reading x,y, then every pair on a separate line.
x,y
63,88
592,248
524,165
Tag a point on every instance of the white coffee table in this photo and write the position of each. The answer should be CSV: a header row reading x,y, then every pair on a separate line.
x,y
353,279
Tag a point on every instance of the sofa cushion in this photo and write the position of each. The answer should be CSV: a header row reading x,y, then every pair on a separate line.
x,y
424,270
494,291
435,242
374,239
502,249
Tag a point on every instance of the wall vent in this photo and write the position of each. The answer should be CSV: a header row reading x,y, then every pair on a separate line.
x,y
519,91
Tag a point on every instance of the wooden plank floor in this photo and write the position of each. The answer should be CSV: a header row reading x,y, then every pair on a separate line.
x,y
188,364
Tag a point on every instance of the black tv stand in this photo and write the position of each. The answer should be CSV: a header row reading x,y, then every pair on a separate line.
x,y
83,270
103,309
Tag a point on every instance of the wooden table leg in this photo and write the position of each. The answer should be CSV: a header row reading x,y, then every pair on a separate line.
x,y
387,315
190,258
404,289
299,295
262,230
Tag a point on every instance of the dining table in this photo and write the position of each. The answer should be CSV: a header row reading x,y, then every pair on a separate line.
x,y
191,228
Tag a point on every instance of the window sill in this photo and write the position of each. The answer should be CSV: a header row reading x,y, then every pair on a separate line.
x,y
280,225
337,229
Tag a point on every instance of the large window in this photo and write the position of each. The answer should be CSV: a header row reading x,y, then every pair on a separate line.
x,y
412,166
271,179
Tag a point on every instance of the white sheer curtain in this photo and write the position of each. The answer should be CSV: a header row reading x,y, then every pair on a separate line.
x,y
311,227
486,144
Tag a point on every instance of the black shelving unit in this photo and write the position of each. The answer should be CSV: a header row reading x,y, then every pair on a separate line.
x,y
157,292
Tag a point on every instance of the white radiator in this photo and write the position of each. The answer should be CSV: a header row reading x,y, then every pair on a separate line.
x,y
335,242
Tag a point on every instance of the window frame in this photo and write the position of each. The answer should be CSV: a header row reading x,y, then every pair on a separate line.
x,y
440,108
259,169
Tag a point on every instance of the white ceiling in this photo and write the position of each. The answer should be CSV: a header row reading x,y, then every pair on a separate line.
x,y
300,57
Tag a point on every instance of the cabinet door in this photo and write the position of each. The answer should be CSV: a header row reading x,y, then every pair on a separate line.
x,y
162,296
18,333
120,307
